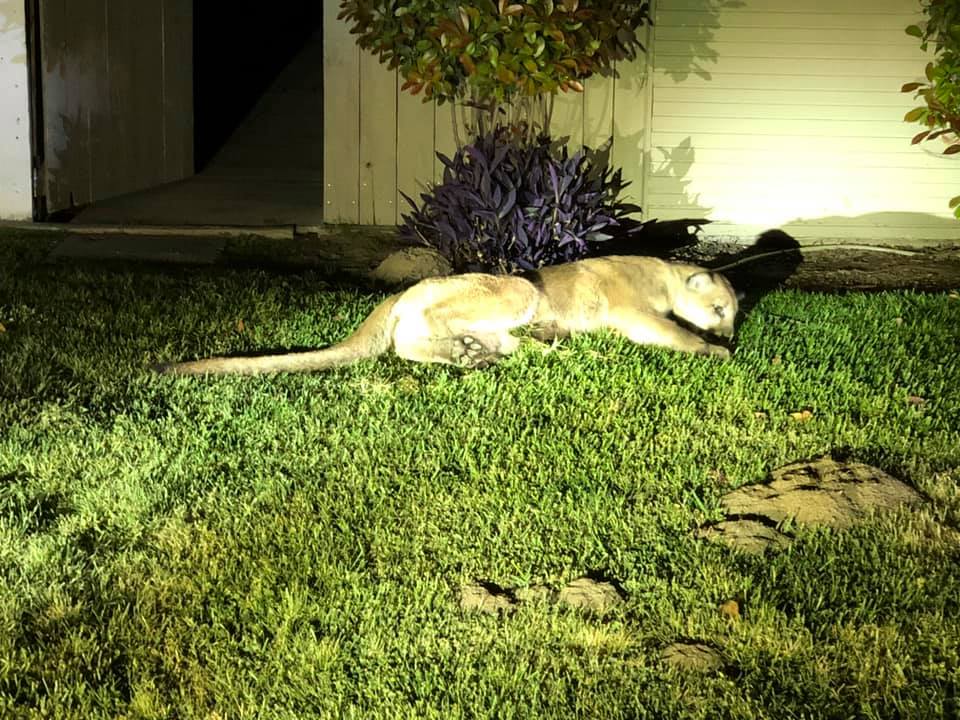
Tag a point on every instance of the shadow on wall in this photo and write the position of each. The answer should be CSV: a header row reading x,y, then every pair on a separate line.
x,y
668,179
690,52
913,225
759,277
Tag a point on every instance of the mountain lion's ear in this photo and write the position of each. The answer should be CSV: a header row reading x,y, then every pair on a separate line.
x,y
700,282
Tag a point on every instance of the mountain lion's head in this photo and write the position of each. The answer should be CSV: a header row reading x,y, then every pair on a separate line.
x,y
708,301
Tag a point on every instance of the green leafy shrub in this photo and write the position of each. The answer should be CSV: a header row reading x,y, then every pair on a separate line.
x,y
495,49
940,114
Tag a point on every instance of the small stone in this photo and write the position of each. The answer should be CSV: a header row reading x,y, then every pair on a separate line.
x,y
696,657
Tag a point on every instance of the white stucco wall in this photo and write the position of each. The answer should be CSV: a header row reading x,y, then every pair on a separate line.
x,y
15,196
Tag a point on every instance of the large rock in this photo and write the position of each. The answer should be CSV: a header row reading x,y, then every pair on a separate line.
x,y
410,265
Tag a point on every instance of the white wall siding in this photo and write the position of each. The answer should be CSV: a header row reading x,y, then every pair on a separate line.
x,y
755,114
16,201
777,114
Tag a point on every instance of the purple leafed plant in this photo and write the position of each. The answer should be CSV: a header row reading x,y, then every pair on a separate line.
x,y
505,207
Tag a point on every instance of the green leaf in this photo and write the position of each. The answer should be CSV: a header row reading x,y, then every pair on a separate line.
x,y
910,86
929,71
914,31
955,202
915,114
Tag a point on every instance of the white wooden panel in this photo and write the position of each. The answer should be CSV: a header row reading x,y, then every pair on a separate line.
x,y
117,97
787,67
812,155
669,15
847,52
780,87
415,158
15,193
710,95
827,129
378,142
631,116
793,112
876,227
132,141
796,144
177,47
726,35
341,118
567,120
732,10
66,79
444,137
597,110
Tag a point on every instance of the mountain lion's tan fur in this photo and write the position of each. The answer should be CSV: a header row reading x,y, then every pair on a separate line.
x,y
468,319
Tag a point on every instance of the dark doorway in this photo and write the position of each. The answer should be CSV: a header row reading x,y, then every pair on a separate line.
x,y
239,49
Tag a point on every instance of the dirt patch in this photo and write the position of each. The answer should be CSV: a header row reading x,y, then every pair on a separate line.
x,y
585,593
692,656
486,598
592,595
817,492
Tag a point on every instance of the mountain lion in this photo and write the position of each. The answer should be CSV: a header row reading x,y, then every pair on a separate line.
x,y
468,319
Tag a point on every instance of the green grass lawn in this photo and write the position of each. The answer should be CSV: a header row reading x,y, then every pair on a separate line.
x,y
295,546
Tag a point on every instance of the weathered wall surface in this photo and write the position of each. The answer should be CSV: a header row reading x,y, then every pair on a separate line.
x,y
15,195
117,96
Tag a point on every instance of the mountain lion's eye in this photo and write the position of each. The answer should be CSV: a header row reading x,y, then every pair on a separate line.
x,y
719,310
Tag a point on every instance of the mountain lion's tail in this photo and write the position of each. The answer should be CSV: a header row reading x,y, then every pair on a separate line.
x,y
372,338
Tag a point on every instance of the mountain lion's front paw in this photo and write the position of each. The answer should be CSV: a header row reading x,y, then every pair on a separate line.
x,y
717,351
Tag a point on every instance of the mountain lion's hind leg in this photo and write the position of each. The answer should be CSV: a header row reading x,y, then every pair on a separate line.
x,y
470,324
481,350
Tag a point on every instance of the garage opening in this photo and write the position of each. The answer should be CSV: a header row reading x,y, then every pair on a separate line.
x,y
186,112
